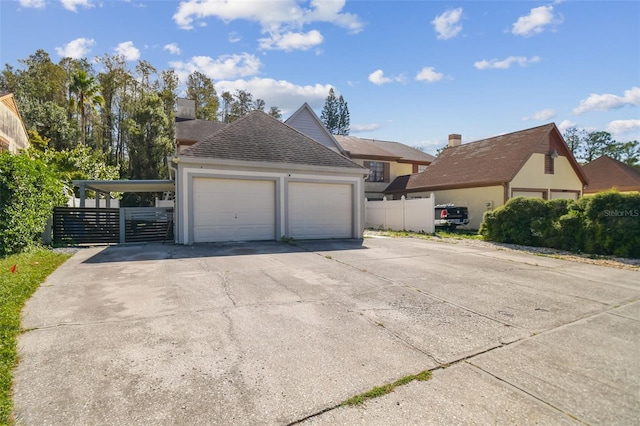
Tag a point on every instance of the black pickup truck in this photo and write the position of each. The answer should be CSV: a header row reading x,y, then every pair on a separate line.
x,y
449,216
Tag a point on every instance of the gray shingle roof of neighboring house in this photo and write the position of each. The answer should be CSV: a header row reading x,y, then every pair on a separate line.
x,y
407,152
360,148
196,130
605,173
487,162
260,137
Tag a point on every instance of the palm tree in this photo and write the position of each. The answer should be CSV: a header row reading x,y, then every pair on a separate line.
x,y
87,91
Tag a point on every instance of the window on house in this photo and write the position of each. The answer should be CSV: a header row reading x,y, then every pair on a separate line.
x,y
378,171
421,168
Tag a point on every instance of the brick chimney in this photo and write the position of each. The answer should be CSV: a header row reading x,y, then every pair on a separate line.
x,y
455,140
186,109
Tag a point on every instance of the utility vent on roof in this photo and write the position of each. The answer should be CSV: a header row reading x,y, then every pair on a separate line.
x,y
455,140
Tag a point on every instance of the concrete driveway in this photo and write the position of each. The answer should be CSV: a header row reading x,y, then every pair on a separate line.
x,y
269,333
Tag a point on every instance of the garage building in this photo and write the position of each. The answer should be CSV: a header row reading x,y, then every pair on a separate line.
x,y
259,179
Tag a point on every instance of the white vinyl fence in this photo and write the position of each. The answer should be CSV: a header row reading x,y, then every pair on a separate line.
x,y
401,215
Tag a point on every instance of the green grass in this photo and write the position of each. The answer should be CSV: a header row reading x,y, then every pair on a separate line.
x,y
15,289
379,391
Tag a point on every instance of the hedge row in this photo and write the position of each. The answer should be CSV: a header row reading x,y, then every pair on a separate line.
x,y
607,223
29,190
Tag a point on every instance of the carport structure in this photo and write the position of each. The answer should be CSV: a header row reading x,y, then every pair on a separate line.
x,y
81,225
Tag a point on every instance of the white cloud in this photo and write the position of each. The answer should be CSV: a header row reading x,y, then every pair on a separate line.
x,y
76,49
429,74
506,63
234,37
565,124
128,51
617,127
542,115
360,128
535,22
378,78
283,18
172,48
35,4
448,25
224,67
73,5
285,95
607,101
291,41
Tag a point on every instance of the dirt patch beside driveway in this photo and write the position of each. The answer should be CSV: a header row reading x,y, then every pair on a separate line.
x,y
270,333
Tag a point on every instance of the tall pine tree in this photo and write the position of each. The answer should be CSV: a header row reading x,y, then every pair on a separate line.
x,y
335,114
343,117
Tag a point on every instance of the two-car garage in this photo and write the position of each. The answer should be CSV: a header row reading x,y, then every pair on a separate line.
x,y
260,179
249,209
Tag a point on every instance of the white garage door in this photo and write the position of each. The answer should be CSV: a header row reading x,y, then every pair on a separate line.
x,y
534,194
233,210
320,210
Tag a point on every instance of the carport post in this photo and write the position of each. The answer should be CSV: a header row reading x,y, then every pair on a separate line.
x,y
82,194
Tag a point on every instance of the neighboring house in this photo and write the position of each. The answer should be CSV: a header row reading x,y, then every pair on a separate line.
x,y
13,133
483,175
260,179
605,173
307,122
385,161
190,130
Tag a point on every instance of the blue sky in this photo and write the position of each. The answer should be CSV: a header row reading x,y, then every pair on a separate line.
x,y
411,71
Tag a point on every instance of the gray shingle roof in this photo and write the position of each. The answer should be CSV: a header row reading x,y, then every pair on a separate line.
x,y
260,137
196,130
360,148
405,151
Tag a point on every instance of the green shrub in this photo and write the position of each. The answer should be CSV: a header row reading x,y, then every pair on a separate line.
x,y
612,222
522,221
607,223
28,192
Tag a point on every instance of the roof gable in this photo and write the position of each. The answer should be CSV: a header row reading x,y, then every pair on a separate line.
x,y
261,138
489,161
306,121
605,173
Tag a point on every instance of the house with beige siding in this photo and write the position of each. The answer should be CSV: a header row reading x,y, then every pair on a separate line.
x,y
13,133
385,160
483,175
